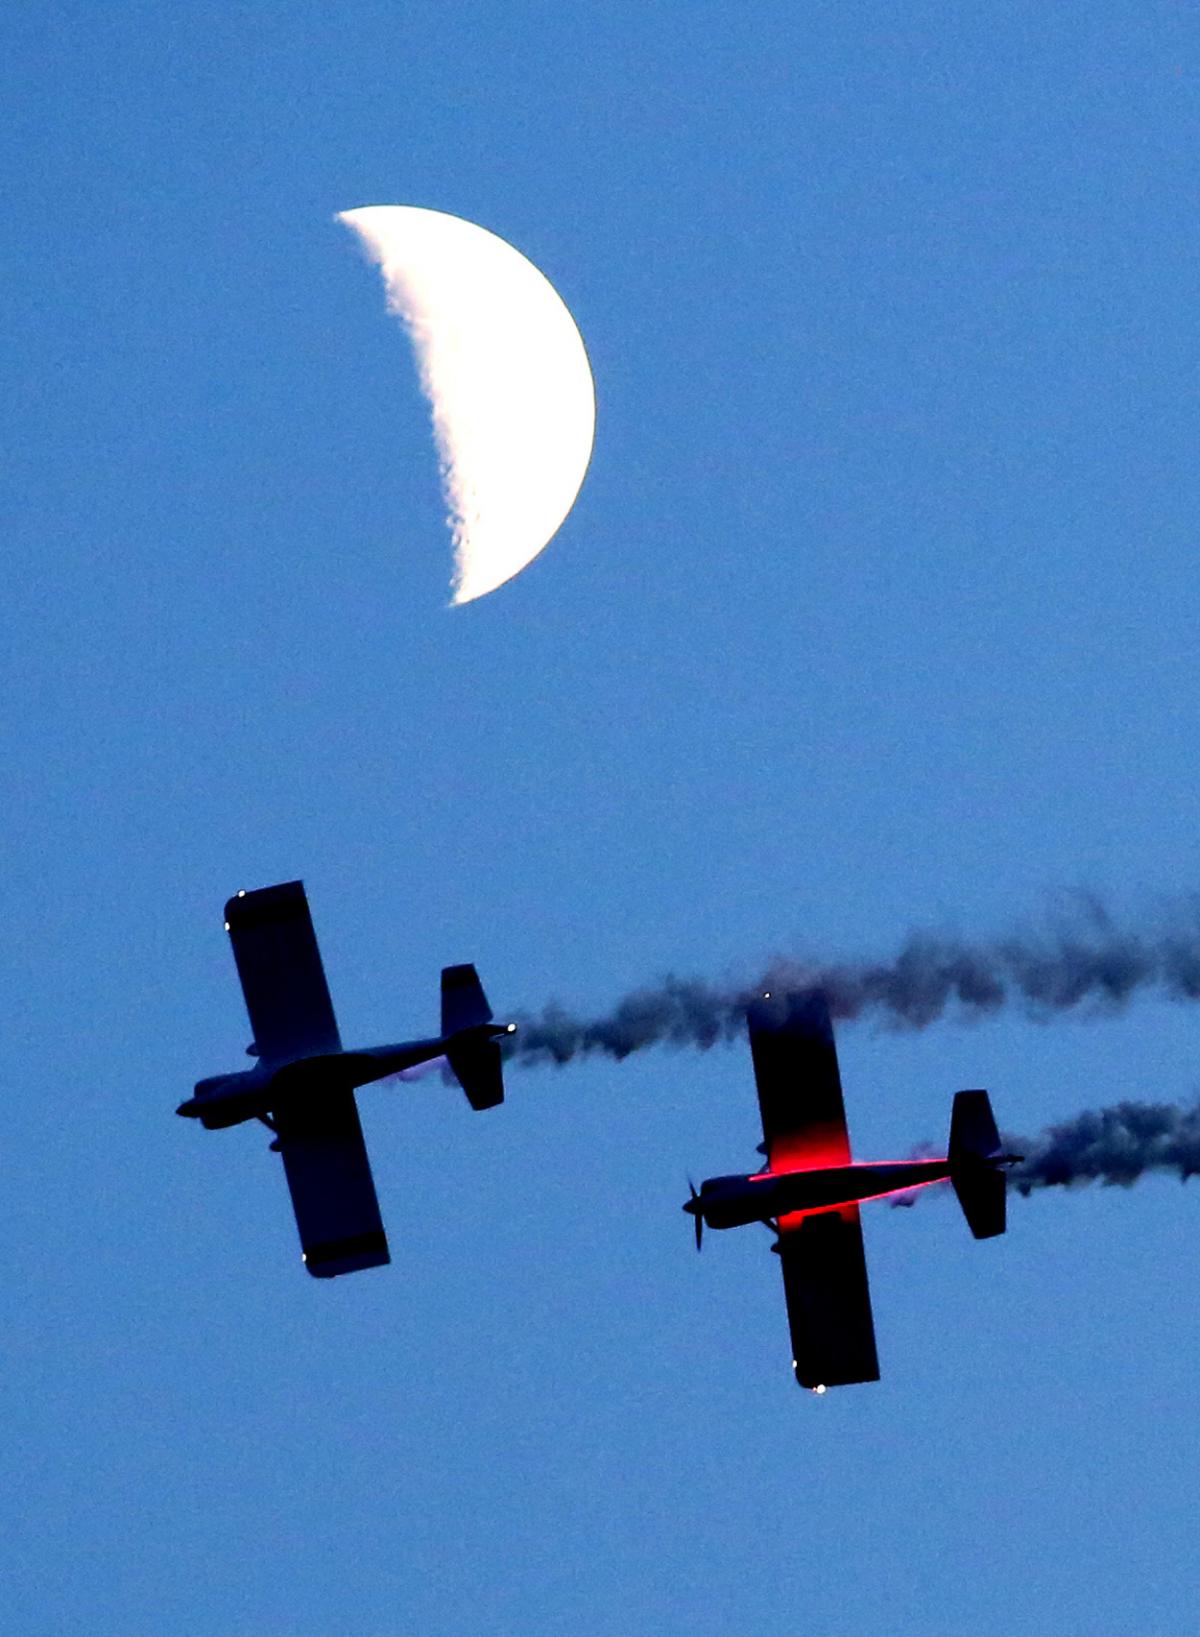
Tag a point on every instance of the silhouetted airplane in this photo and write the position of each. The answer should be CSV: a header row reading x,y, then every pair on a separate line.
x,y
302,1086
810,1190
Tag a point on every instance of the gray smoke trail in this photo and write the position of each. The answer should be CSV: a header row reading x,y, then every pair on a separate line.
x,y
1090,965
1110,1145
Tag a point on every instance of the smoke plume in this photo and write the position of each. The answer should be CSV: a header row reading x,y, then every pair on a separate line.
x,y
1087,964
1110,1145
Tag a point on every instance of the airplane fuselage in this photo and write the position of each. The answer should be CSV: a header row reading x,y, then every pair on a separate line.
x,y
731,1202
229,1099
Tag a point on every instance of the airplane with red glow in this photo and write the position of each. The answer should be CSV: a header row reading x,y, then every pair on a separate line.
x,y
303,1083
810,1189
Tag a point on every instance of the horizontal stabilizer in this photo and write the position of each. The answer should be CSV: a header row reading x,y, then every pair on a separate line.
x,y
982,1193
475,1059
973,1131
478,1071
975,1160
464,1004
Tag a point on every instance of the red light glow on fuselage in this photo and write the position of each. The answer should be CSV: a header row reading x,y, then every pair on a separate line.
x,y
792,1219
815,1149
787,1197
839,1165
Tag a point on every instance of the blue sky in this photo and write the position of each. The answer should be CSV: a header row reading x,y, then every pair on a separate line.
x,y
876,613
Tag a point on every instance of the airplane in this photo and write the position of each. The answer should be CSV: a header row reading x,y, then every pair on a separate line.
x,y
808,1194
302,1085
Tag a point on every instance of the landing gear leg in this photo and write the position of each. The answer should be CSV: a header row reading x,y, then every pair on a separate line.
x,y
265,1119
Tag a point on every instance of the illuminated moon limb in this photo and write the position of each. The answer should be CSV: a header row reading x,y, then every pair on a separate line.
x,y
507,378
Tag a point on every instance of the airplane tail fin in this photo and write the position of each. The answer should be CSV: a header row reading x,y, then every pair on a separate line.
x,y
472,1051
975,1164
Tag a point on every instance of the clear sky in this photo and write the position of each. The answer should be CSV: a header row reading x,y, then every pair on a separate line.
x,y
877,612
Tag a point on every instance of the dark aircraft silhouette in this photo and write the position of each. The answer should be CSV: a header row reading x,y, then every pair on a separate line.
x,y
302,1086
810,1190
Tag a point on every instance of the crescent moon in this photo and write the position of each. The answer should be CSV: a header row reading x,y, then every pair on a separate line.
x,y
506,373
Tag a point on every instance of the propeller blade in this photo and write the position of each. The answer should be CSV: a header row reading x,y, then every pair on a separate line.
x,y
693,1209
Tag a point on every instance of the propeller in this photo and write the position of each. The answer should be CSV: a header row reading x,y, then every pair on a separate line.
x,y
693,1209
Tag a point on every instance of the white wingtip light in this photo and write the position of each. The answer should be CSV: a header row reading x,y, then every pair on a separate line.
x,y
506,373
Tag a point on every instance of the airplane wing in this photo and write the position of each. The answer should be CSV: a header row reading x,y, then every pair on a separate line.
x,y
329,1179
828,1298
281,974
821,1252
799,1088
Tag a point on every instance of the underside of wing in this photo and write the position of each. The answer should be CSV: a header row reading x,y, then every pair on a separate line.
x,y
280,969
828,1299
799,1088
329,1179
